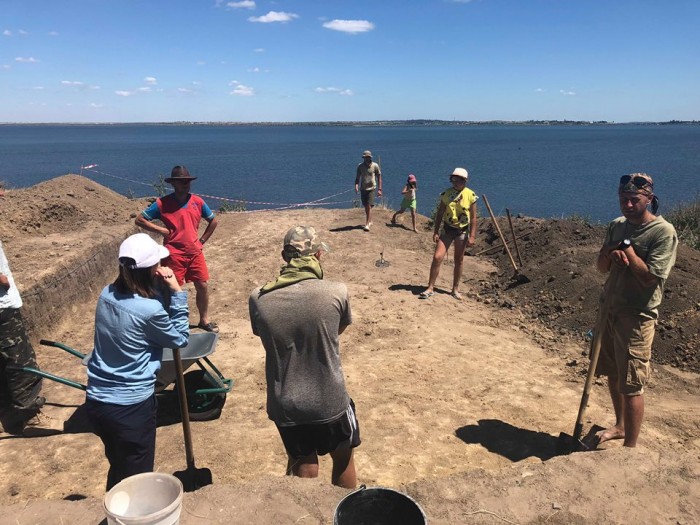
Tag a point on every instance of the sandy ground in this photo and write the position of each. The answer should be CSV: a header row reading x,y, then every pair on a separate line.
x,y
458,406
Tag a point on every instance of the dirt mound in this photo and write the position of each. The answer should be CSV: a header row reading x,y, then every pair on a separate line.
x,y
564,286
61,205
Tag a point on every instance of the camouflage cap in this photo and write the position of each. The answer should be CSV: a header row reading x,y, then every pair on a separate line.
x,y
636,183
301,241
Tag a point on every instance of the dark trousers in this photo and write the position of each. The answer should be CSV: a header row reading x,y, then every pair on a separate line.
x,y
18,390
129,436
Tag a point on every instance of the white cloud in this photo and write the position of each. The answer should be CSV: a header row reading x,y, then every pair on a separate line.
x,y
259,50
196,83
185,90
247,4
123,93
274,16
53,33
7,32
568,93
94,105
151,81
94,87
144,89
38,88
22,32
241,90
6,66
459,1
201,62
27,60
349,26
254,70
539,90
339,91
72,83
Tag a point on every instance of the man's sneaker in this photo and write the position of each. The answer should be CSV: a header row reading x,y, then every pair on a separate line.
x,y
42,425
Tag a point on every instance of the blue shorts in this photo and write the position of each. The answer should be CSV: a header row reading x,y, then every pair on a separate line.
x,y
301,441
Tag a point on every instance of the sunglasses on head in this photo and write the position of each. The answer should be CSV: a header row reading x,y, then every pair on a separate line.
x,y
639,182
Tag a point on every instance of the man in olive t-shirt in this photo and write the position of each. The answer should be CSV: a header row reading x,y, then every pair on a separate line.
x,y
638,253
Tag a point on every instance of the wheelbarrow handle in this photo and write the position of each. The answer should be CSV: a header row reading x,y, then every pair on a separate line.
x,y
67,348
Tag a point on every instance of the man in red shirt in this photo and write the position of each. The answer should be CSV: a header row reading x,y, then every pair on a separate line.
x,y
181,212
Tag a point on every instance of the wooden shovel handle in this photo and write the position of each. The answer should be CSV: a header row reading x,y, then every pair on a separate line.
x,y
500,233
184,410
595,354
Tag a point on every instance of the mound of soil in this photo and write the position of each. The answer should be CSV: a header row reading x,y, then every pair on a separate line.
x,y
564,286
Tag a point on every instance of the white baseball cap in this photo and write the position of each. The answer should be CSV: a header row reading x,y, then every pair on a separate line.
x,y
460,172
143,250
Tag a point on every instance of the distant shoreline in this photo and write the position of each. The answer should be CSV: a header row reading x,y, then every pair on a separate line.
x,y
373,123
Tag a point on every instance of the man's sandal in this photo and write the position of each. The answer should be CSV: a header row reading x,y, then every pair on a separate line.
x,y
426,295
209,327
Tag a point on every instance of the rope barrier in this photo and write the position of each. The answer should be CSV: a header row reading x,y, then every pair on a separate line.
x,y
278,205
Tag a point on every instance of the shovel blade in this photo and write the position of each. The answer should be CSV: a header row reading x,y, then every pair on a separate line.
x,y
194,478
566,444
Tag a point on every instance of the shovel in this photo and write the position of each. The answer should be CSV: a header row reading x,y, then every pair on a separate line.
x,y
193,478
572,443
517,276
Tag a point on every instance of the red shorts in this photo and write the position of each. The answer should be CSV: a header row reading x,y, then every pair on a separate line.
x,y
189,268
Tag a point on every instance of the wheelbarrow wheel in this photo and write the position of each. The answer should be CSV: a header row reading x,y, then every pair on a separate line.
x,y
202,407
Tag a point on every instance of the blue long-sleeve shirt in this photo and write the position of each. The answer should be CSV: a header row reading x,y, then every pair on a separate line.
x,y
130,334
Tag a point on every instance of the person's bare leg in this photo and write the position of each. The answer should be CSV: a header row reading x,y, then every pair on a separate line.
x,y
344,474
368,214
459,260
618,430
306,467
440,252
393,219
413,219
202,289
634,413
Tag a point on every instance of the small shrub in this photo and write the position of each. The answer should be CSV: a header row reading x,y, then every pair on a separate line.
x,y
431,219
226,207
686,219
581,219
160,187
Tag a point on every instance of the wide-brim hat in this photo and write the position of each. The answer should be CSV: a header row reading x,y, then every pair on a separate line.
x,y
367,153
179,173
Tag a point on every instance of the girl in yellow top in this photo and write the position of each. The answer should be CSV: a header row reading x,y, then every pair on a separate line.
x,y
457,214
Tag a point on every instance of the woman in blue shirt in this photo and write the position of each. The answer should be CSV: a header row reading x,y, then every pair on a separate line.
x,y
133,324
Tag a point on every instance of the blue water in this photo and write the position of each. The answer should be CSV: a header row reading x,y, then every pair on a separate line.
x,y
541,171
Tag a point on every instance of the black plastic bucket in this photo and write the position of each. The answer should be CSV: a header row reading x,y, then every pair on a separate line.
x,y
378,506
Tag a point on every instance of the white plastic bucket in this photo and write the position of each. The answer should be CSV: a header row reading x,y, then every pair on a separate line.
x,y
151,498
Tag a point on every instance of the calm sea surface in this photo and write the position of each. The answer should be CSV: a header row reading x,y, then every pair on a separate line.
x,y
541,171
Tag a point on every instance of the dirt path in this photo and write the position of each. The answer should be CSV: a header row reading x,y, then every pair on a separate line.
x,y
457,405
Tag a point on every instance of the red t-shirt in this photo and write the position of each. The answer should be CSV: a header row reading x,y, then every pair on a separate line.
x,y
182,220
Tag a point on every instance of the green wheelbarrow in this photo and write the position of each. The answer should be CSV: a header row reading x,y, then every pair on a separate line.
x,y
206,387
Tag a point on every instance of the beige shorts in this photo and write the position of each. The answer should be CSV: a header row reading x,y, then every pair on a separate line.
x,y
626,350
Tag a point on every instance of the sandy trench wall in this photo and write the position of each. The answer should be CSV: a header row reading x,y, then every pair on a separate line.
x,y
48,302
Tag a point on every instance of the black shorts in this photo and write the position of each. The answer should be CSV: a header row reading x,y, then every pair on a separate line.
x,y
303,440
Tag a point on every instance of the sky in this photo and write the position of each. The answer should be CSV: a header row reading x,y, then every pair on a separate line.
x,y
352,60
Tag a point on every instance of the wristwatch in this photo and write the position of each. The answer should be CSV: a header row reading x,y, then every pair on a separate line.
x,y
624,244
